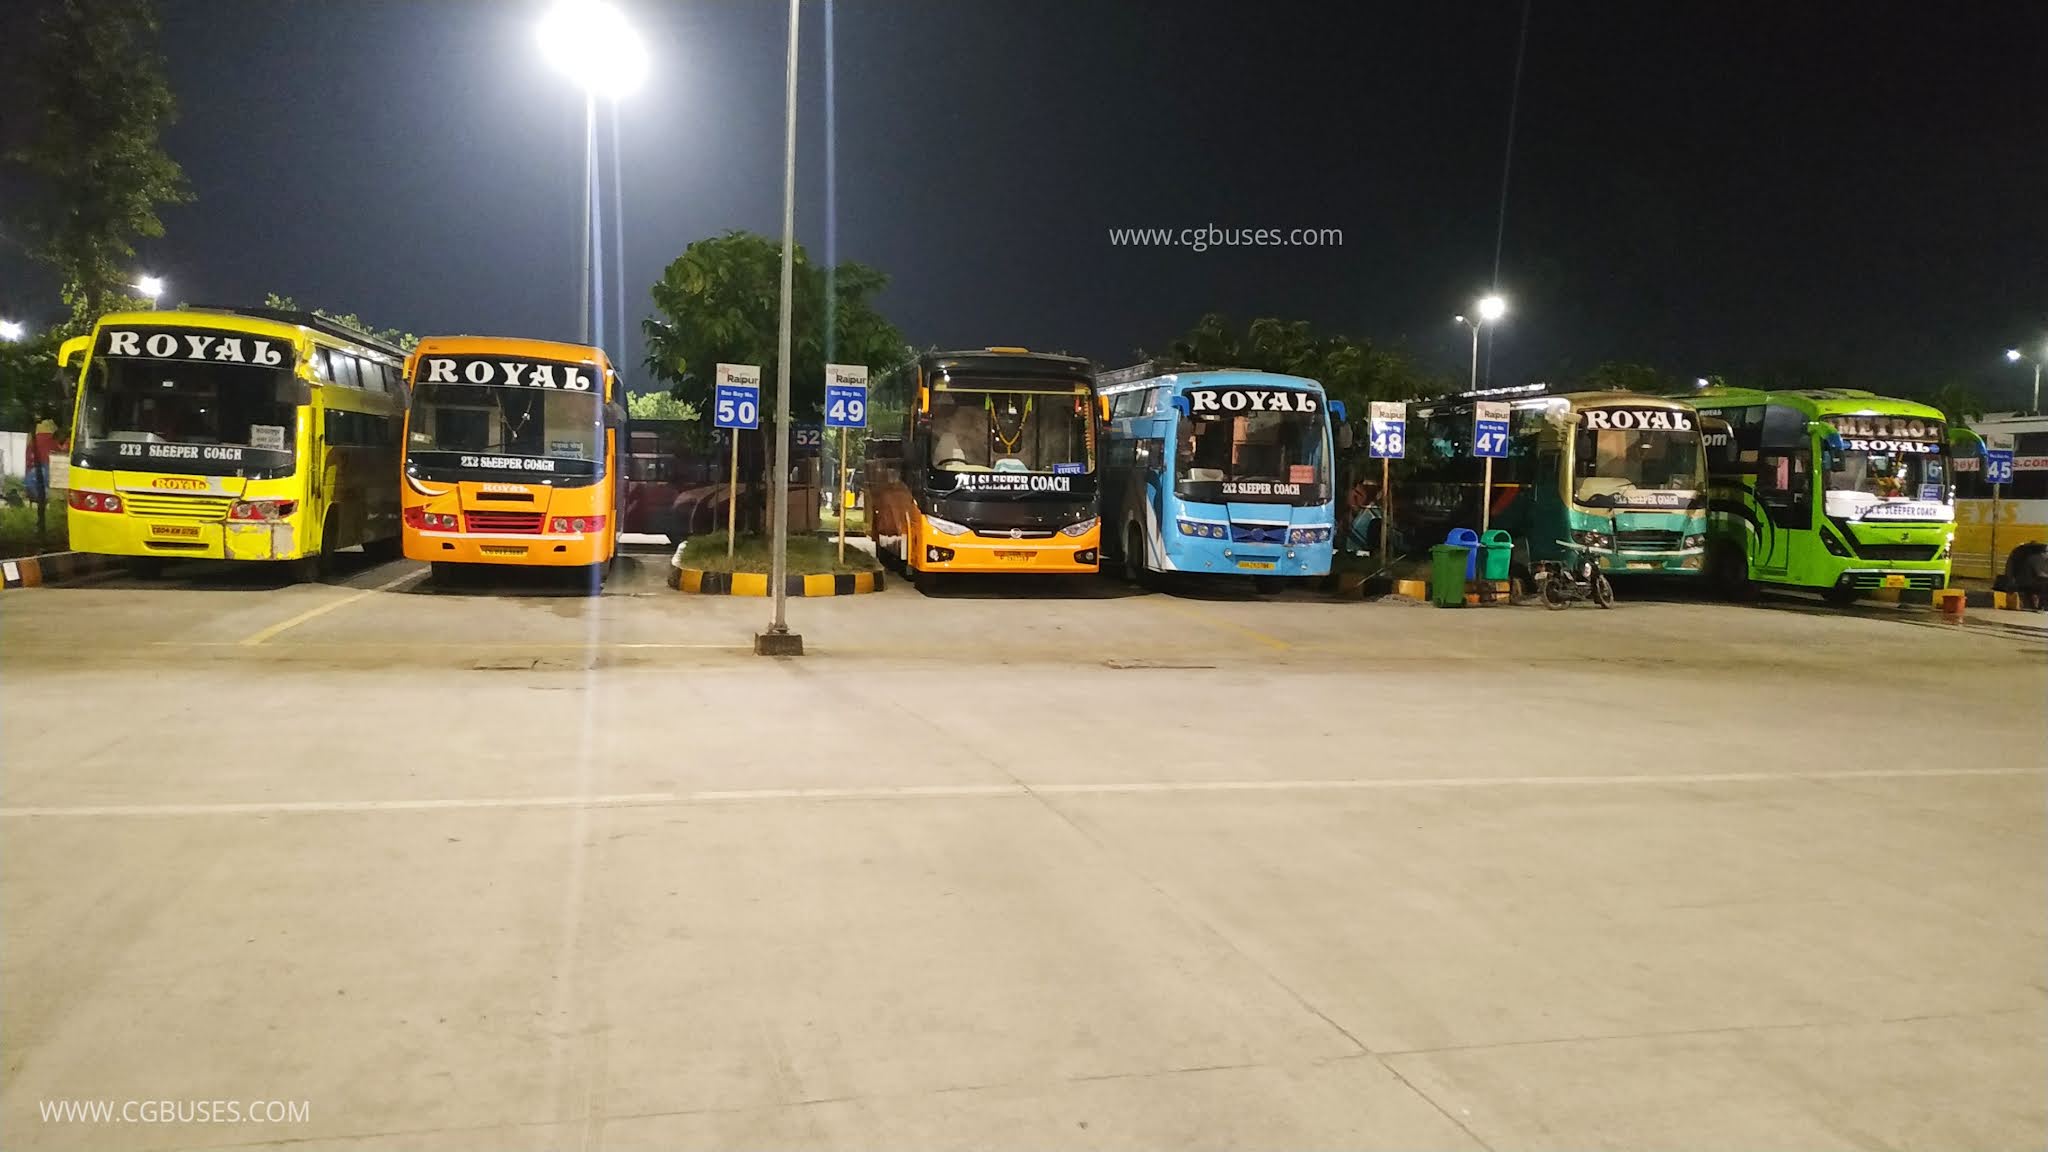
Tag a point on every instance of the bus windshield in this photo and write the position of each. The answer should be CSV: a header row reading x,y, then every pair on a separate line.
x,y
538,422
1261,447
1619,468
187,414
975,430
1863,477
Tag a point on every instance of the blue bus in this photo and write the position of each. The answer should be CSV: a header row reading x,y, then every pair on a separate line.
x,y
1217,470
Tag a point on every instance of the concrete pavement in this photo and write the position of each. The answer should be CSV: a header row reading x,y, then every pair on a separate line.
x,y
1015,868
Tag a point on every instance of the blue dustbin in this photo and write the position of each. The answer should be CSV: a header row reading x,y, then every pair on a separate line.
x,y
1469,540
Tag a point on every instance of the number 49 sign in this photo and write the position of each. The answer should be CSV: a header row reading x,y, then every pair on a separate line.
x,y
1490,429
846,395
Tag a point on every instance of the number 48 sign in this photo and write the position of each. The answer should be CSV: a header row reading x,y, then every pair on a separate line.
x,y
1388,436
1490,429
846,395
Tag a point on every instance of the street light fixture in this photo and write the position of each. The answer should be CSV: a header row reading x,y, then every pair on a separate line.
x,y
1490,308
150,288
12,330
591,42
2014,356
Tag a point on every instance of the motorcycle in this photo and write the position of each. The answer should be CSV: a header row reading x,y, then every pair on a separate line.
x,y
1563,585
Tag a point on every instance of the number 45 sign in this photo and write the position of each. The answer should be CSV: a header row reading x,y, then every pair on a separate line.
x,y
1490,429
846,395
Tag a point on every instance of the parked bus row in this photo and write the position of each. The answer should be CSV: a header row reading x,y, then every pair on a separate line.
x,y
254,434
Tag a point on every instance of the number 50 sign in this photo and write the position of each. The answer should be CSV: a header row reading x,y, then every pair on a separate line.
x,y
736,396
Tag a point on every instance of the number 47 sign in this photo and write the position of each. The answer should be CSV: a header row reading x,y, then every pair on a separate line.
x,y
1490,429
846,395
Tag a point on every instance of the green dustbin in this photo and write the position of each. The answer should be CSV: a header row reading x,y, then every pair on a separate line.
x,y
1500,552
1447,566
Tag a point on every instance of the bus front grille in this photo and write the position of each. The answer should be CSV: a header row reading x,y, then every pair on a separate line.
x,y
1922,581
1898,551
177,507
1646,540
519,522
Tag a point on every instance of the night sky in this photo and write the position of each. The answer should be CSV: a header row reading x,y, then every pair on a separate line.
x,y
1857,191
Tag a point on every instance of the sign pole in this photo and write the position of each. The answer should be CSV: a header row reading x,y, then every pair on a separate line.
x,y
1991,562
1486,498
1386,511
843,470
732,497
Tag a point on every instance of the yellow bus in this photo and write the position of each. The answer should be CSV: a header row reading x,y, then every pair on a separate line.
x,y
1988,529
511,454
234,434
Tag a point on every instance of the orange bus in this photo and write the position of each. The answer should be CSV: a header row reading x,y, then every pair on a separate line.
x,y
511,454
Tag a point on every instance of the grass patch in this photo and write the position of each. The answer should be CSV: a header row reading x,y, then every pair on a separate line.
x,y
808,555
856,523
18,531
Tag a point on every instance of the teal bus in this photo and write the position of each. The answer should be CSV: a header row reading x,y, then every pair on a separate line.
x,y
1619,476
1835,490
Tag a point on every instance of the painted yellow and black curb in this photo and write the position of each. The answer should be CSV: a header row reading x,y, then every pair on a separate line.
x,y
53,568
756,583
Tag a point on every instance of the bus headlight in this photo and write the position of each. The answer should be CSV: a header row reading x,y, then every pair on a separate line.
x,y
1835,547
1082,528
1309,535
945,527
1588,539
1696,540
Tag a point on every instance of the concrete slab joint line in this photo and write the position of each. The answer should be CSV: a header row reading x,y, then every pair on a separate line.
x,y
709,583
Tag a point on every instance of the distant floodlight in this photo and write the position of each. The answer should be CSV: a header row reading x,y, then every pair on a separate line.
x,y
1701,382
12,330
1492,308
1459,319
2012,355
590,42
150,287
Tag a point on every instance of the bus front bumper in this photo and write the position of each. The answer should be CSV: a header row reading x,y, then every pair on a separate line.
x,y
1687,562
985,554
121,534
564,550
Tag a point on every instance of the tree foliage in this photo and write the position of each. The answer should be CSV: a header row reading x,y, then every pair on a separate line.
x,y
32,387
94,156
1957,400
1621,376
658,406
718,303
393,336
1353,371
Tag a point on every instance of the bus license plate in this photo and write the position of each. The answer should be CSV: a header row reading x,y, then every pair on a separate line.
x,y
181,531
1642,564
1259,565
1895,581
1013,554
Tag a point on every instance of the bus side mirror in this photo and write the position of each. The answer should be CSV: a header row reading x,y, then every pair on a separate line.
x,y
71,348
1337,411
1343,435
1181,405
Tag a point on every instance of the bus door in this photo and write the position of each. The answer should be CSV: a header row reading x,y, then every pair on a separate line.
x,y
1784,487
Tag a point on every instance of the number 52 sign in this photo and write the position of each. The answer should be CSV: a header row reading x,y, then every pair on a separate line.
x,y
846,395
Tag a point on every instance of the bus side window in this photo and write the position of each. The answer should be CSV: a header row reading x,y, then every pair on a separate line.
x,y
1784,479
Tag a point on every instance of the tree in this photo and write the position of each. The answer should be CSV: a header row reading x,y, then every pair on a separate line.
x,y
658,406
1957,400
718,303
94,156
392,336
1353,372
32,387
1617,376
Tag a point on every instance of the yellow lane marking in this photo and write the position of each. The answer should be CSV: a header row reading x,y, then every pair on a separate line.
x,y
1214,621
263,636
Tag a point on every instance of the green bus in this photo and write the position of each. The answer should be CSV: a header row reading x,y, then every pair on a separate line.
x,y
1620,476
1830,489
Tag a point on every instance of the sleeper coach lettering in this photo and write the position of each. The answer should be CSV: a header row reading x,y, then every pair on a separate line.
x,y
1637,419
510,463
1011,482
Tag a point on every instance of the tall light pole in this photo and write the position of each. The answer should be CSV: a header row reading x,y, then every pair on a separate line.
x,y
1488,310
149,288
2014,356
591,42
778,640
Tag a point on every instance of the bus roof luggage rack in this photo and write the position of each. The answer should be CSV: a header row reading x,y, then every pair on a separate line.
x,y
313,320
1160,366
